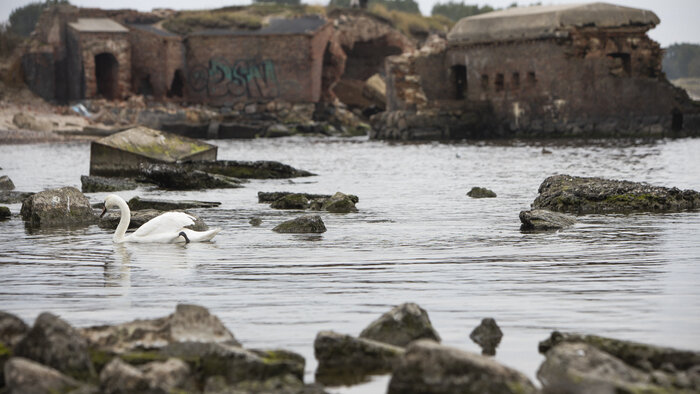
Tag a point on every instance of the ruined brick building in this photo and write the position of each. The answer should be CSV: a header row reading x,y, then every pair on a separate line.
x,y
547,71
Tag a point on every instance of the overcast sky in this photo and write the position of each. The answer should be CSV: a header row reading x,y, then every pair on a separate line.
x,y
680,19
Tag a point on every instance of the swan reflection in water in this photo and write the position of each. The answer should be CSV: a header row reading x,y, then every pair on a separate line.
x,y
144,263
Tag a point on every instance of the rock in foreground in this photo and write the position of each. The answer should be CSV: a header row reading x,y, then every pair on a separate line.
x,y
25,376
56,207
564,193
302,225
402,324
543,220
428,367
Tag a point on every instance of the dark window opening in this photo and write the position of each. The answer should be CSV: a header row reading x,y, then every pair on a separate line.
x,y
107,75
499,82
621,64
484,82
459,75
676,120
515,82
145,87
177,85
531,78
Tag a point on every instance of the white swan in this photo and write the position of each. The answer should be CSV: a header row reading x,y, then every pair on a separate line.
x,y
166,228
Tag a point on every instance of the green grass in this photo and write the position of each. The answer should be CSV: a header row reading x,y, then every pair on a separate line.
x,y
409,23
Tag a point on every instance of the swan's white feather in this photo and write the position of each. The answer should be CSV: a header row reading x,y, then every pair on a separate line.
x,y
168,223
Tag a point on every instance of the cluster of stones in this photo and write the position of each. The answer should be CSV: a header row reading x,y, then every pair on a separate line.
x,y
337,203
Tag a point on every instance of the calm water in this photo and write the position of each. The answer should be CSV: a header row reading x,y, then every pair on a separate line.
x,y
417,237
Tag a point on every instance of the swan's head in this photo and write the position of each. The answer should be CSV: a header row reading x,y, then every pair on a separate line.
x,y
110,202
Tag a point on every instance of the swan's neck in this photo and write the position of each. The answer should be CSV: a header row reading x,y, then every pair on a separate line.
x,y
123,221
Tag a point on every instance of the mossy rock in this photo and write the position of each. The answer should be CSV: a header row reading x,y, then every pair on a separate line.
x,y
291,201
302,225
339,203
5,213
481,192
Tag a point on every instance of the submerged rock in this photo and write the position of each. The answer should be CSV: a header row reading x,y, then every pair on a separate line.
x,y
26,376
6,183
343,359
13,197
246,169
96,184
255,222
428,367
176,177
138,203
401,325
564,193
302,225
339,203
138,218
53,342
542,219
487,335
481,192
189,323
5,213
64,206
291,201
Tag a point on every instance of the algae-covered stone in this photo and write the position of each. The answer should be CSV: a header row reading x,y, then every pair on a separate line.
x,y
343,359
339,203
291,201
564,193
26,376
294,361
428,367
487,335
302,225
53,342
111,219
542,219
176,177
402,324
481,192
247,169
56,207
138,203
5,213
96,184
6,183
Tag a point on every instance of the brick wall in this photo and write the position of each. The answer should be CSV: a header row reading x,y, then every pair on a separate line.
x,y
116,44
154,58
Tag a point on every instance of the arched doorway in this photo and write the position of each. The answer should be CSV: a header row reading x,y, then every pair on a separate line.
x,y
107,75
177,85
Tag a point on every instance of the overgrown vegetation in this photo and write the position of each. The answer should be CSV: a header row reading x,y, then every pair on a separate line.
x,y
22,20
288,2
411,23
456,11
409,6
8,41
682,61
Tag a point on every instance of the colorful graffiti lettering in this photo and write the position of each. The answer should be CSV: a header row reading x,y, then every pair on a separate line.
x,y
249,78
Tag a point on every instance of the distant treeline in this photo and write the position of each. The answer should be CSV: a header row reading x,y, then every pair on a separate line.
x,y
682,61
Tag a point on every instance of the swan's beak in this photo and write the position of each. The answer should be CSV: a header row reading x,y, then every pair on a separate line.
x,y
104,210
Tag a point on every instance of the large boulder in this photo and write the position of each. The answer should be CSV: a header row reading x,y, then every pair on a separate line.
x,y
428,367
189,323
25,376
111,219
343,359
6,183
95,184
177,177
544,220
57,207
339,203
401,325
487,335
302,225
138,203
565,193
53,342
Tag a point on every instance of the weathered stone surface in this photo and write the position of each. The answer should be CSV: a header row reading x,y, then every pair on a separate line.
x,y
294,362
402,324
487,335
138,218
189,323
12,329
582,368
339,203
481,192
291,201
5,213
542,219
28,121
53,342
277,130
6,183
24,376
301,225
564,193
428,367
285,384
64,206
119,377
247,169
169,376
96,184
176,177
13,197
343,359
138,203
273,196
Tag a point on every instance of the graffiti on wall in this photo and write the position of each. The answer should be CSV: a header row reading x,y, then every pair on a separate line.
x,y
244,78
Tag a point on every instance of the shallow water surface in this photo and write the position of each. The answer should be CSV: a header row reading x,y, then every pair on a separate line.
x,y
417,237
